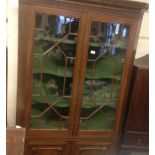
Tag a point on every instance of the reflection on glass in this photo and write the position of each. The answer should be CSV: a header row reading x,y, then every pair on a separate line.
x,y
53,62
107,48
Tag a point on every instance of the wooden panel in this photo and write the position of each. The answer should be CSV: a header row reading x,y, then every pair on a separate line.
x,y
113,3
47,151
125,9
94,150
136,139
15,141
139,109
47,147
25,41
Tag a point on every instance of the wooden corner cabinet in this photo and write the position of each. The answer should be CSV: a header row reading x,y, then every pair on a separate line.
x,y
74,68
136,126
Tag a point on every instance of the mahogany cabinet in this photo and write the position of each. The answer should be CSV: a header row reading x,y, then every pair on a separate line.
x,y
74,68
136,134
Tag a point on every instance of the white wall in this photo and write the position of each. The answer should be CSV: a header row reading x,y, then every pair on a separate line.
x,y
12,55
143,42
12,61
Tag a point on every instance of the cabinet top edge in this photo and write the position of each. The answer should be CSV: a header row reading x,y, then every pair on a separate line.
x,y
119,4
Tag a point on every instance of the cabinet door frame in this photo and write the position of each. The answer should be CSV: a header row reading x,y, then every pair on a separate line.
x,y
126,73
26,37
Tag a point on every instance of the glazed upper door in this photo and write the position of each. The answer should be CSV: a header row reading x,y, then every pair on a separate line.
x,y
105,51
56,42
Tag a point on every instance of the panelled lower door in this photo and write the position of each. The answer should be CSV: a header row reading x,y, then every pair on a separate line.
x,y
47,151
50,149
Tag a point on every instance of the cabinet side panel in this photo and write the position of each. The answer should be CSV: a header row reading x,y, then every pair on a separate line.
x,y
139,104
23,48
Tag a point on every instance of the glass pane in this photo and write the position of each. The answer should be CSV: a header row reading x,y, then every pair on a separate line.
x,y
53,63
107,48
